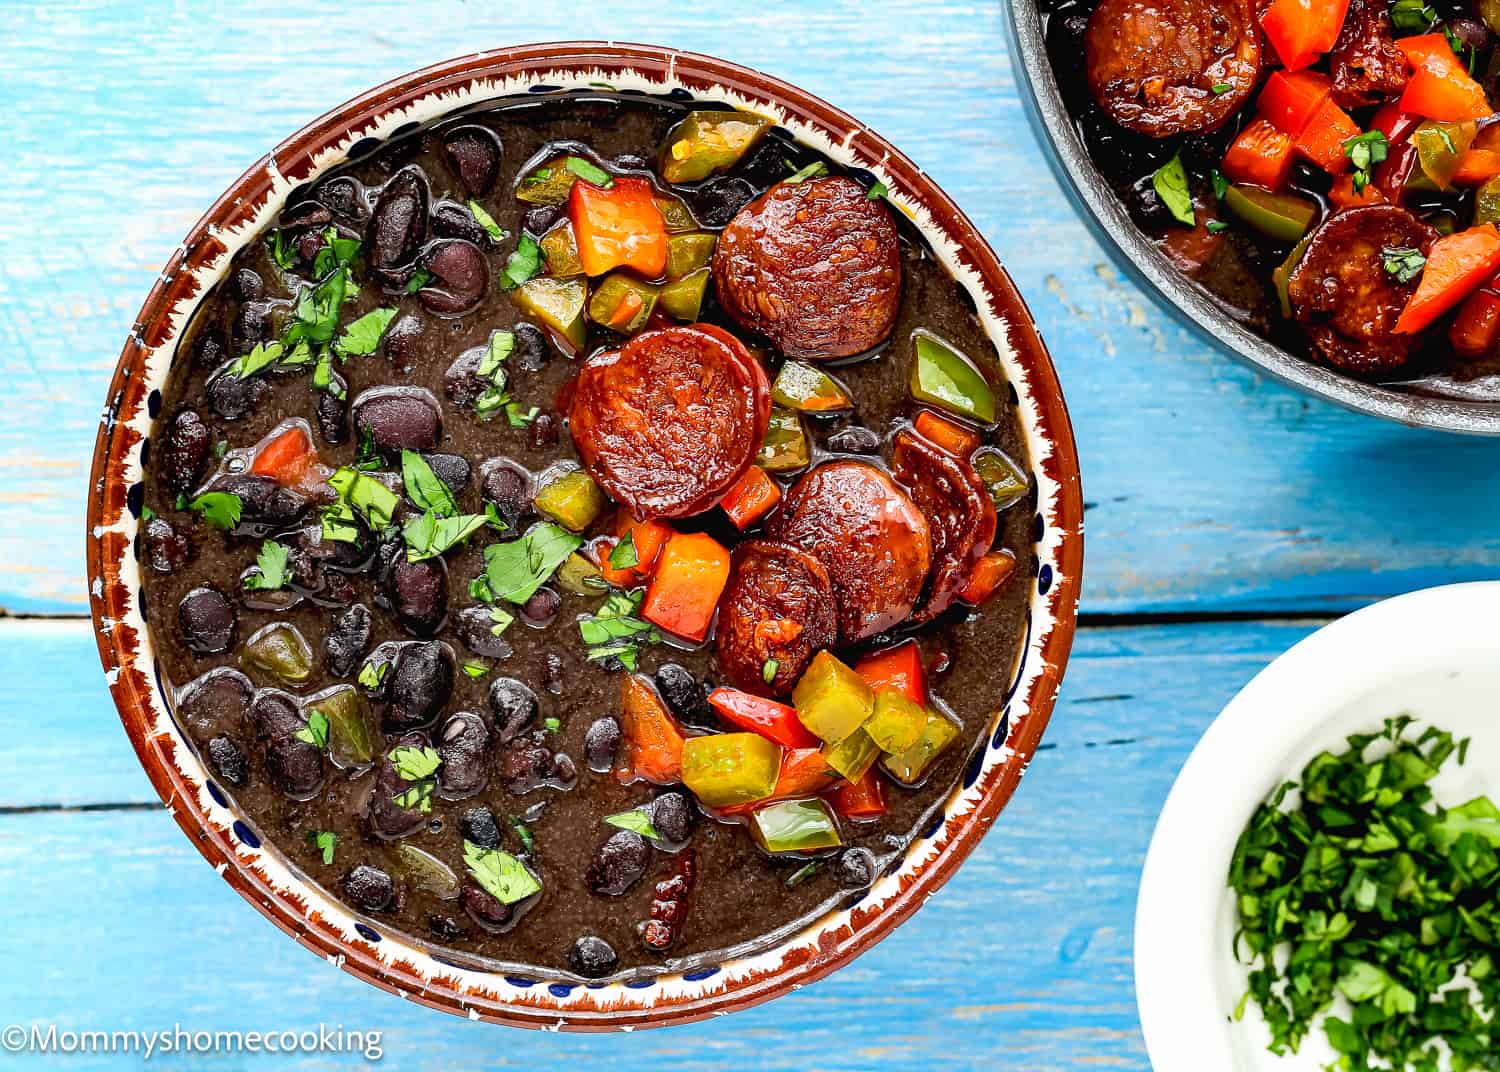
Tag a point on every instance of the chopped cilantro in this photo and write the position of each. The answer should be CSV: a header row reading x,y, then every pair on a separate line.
x,y
281,252
816,170
501,875
624,555
616,632
271,572
1364,152
372,674
1221,184
1220,88
552,724
1403,262
424,487
522,264
419,279
262,355
523,832
485,220
1216,226
589,172
501,620
513,571
803,873
417,767
324,841
218,508
429,535
1413,16
474,669
363,335
315,732
637,820
1171,185
877,190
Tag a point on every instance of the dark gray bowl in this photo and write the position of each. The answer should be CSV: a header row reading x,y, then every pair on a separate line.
x,y
1136,256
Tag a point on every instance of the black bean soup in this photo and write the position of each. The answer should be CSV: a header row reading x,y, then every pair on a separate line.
x,y
583,534
1329,174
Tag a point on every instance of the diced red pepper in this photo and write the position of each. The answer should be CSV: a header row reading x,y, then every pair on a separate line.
x,y
618,226
1456,264
1292,98
990,572
804,773
1260,156
1395,124
1342,195
649,538
651,741
684,592
862,800
774,721
630,306
1302,30
1440,86
751,498
1475,331
1322,140
957,439
1477,167
287,458
898,668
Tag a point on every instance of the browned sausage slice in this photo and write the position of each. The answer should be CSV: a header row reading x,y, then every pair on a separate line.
x,y
1153,64
779,605
868,534
814,266
1343,296
959,512
1367,66
668,422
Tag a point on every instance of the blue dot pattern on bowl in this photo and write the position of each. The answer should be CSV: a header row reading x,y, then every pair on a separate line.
x,y
640,984
217,793
245,834
520,982
971,772
1002,731
697,975
153,404
1044,580
560,990
542,87
367,933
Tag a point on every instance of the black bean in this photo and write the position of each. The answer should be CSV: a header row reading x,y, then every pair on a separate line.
x,y
421,680
248,286
514,706
184,451
532,348
451,469
263,501
402,341
508,485
479,826
332,411
250,327
460,277
528,765
462,382
592,957
716,201
463,744
684,694
389,818
539,220
206,618
673,816
855,439
452,220
491,914
618,864
344,196
541,608
418,592
228,761
445,927
216,704
166,549
473,152
209,350
541,433
399,418
295,767
347,640
306,215
398,225
370,888
232,398
564,771
476,628
602,744
855,868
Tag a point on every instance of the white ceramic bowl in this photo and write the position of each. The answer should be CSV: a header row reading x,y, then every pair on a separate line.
x,y
1434,654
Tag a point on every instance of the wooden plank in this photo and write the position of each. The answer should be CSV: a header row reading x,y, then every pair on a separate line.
x,y
1025,953
1211,489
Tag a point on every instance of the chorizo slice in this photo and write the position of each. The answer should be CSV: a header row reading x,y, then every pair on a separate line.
x,y
960,515
778,605
1366,65
1154,65
813,266
1343,296
668,422
870,537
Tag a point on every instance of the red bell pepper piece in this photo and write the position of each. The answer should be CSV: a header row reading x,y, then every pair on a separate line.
x,y
1395,124
957,439
1440,86
1322,140
898,668
618,226
1456,264
862,800
774,721
1302,30
990,572
649,537
1342,195
651,741
751,498
690,575
1475,331
1477,167
804,773
287,458
1292,98
1261,155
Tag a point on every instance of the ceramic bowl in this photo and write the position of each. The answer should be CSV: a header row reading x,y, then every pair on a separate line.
x,y
1112,226
1431,654
362,946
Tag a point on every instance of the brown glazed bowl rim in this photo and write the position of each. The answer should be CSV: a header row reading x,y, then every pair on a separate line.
x,y
259,873
1105,215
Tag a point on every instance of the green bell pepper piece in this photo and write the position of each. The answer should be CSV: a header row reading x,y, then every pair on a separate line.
x,y
709,141
909,767
560,250
688,252
1440,147
607,305
426,872
683,298
572,499
832,701
549,184
803,387
280,651
675,214
795,826
558,304
1284,217
349,742
786,445
724,769
1487,199
852,756
1281,278
943,377
1006,482
581,577
897,722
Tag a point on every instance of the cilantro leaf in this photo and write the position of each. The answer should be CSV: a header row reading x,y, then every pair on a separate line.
x,y
637,820
429,535
315,732
1171,185
1403,262
588,171
262,355
271,566
413,764
1364,152
218,508
374,501
474,669
371,674
816,170
424,487
513,571
419,279
363,335
877,190
624,555
501,875
324,841
485,220
616,631
522,264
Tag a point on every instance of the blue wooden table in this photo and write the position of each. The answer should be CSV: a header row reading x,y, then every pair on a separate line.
x,y
1226,518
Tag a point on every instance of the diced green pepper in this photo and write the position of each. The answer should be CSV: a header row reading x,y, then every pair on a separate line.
x,y
909,767
675,214
348,729
280,651
426,872
549,184
786,445
724,769
557,303
943,377
832,701
688,252
706,142
560,250
897,723
1284,217
1006,482
852,756
683,298
795,826
571,498
1281,278
580,576
1444,222
623,303
1487,199
803,387
1440,146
